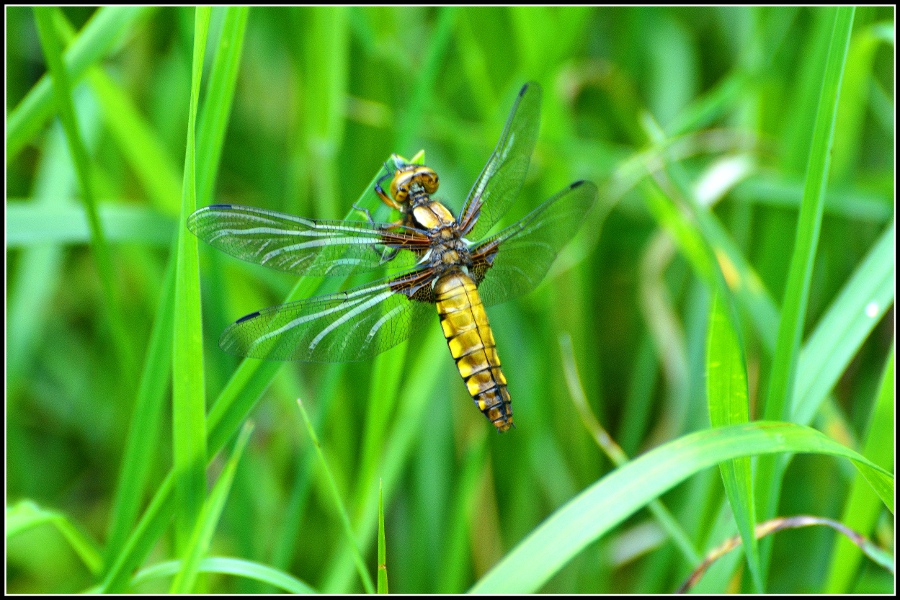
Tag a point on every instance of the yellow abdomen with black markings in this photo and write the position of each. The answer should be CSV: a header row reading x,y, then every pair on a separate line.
x,y
471,343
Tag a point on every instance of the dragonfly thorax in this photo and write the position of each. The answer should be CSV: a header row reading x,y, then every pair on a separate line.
x,y
454,253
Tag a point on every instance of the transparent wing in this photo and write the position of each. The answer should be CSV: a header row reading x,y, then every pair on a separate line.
x,y
345,327
514,261
304,246
502,177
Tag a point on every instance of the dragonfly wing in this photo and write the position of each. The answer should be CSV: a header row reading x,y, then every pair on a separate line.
x,y
514,261
503,175
303,246
344,327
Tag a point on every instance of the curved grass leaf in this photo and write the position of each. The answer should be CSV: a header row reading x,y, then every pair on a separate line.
x,y
228,566
26,515
605,504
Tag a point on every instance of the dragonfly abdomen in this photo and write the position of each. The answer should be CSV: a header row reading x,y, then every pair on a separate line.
x,y
471,343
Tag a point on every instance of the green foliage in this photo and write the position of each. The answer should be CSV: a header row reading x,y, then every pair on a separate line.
x,y
708,131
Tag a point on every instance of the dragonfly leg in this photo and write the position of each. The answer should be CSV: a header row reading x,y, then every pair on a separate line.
x,y
383,195
365,212
387,254
368,215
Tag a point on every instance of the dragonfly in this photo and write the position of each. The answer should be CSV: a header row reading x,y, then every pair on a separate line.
x,y
433,264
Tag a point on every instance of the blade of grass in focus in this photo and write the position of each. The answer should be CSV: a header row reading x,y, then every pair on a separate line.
x,y
205,527
618,495
780,399
188,390
728,400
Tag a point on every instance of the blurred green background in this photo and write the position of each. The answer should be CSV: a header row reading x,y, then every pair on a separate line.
x,y
322,97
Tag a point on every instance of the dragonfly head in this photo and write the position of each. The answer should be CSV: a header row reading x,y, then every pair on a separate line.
x,y
409,178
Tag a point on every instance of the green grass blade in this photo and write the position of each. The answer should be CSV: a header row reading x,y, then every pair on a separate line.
x,y
62,93
839,334
40,268
63,223
727,397
339,506
135,137
101,34
223,565
787,192
862,509
219,96
26,514
142,443
618,495
201,538
382,545
780,398
188,389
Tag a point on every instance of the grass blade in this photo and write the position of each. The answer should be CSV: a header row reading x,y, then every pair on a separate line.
x,y
228,566
26,515
188,389
109,25
862,509
618,495
339,506
780,399
62,93
728,400
220,94
61,223
382,546
209,518
141,444
793,313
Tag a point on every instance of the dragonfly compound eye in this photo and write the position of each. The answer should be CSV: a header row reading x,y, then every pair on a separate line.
x,y
429,180
400,185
